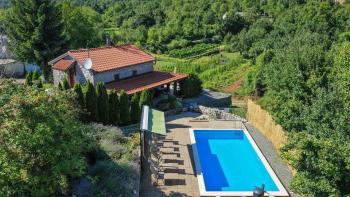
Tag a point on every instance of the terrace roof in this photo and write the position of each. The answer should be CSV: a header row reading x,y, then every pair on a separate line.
x,y
146,81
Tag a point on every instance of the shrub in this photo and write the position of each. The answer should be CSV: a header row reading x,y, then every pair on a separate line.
x,y
146,98
29,80
191,86
35,76
42,143
90,101
65,84
60,86
124,108
135,109
102,103
80,95
114,112
192,51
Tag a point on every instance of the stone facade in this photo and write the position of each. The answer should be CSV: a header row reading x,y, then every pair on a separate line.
x,y
82,75
123,72
58,76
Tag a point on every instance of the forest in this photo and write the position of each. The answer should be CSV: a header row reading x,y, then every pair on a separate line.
x,y
294,56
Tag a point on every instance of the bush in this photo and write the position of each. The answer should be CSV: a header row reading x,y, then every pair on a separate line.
x,y
65,84
35,76
192,51
29,80
114,113
80,95
102,103
135,111
90,101
146,98
191,86
42,143
124,107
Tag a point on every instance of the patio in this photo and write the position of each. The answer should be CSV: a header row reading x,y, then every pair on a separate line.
x,y
177,178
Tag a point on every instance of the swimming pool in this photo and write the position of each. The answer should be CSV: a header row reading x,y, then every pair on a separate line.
x,y
229,163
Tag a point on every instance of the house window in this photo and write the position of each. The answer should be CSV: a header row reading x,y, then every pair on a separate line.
x,y
134,72
116,77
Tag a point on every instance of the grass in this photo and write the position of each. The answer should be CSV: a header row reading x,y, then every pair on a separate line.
x,y
216,71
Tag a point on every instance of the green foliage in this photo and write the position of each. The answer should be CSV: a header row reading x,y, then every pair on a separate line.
x,y
114,108
65,84
36,32
42,143
91,101
135,110
145,98
60,86
81,26
193,51
80,95
191,86
102,103
113,174
124,107
29,79
35,76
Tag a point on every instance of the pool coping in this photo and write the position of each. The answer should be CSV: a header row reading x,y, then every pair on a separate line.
x,y
282,191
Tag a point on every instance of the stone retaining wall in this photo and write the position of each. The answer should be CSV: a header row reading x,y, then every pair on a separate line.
x,y
218,114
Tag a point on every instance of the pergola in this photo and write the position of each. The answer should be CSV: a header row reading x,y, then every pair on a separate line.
x,y
147,81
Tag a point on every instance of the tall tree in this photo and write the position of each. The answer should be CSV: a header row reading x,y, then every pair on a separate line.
x,y
90,101
146,98
113,107
36,32
124,107
102,103
135,109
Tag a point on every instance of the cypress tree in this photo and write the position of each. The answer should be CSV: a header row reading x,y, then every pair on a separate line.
x,y
113,106
65,84
90,101
135,109
124,108
29,79
60,86
80,96
102,103
35,29
146,98
35,76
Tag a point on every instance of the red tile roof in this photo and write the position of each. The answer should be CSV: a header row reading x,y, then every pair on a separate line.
x,y
146,81
63,64
109,58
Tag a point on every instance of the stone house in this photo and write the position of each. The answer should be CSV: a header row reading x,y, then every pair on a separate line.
x,y
119,67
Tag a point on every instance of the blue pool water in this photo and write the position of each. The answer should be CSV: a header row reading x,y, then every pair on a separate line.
x,y
229,162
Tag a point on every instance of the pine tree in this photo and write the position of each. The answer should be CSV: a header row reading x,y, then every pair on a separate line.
x,y
135,109
36,32
146,98
124,108
80,96
29,79
113,107
90,101
65,84
102,103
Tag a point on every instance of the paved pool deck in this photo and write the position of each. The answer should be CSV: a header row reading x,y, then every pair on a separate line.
x,y
182,181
